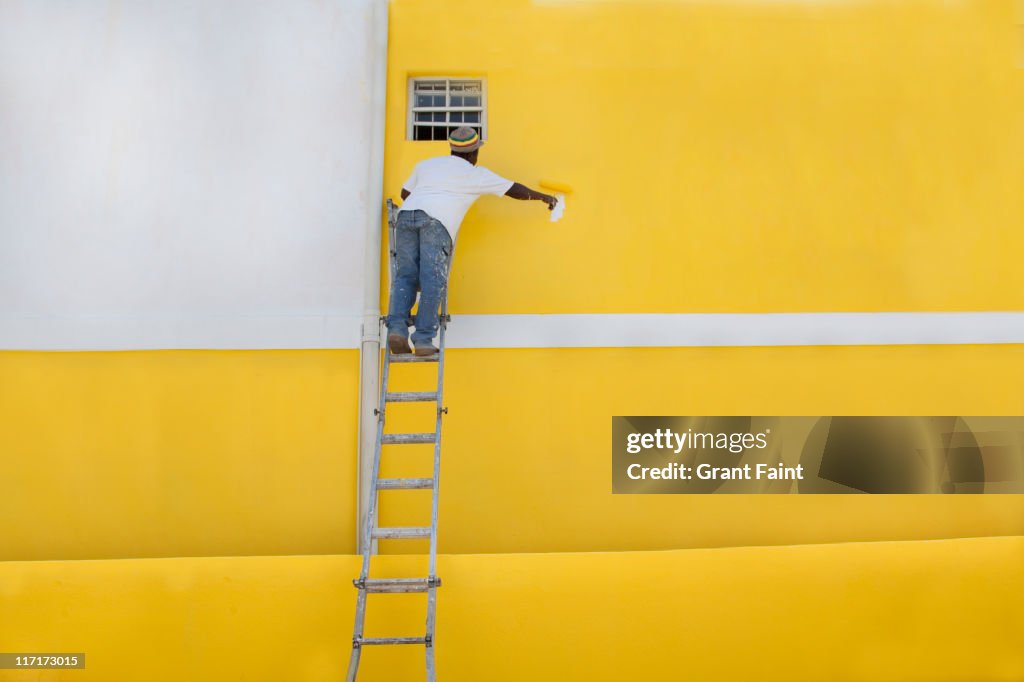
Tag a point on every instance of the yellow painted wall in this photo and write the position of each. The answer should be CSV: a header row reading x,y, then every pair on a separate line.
x,y
732,156
527,444
220,453
938,611
177,453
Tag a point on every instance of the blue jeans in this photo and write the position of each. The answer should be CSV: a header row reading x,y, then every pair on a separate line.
x,y
423,247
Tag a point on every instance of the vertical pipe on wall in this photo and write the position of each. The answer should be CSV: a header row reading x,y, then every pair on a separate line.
x,y
369,355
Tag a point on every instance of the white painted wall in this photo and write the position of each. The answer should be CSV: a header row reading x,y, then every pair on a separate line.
x,y
183,174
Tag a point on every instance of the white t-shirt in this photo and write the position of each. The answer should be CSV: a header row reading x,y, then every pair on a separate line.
x,y
446,186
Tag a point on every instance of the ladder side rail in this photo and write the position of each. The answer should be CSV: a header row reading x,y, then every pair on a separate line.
x,y
437,428
442,347
371,511
431,672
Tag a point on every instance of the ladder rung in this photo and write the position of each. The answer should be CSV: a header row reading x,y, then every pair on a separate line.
x,y
410,397
389,640
399,533
410,357
404,483
407,438
397,585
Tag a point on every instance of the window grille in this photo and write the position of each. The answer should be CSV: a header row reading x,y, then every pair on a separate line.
x,y
437,106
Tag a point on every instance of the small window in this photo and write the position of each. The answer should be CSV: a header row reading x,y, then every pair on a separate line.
x,y
437,106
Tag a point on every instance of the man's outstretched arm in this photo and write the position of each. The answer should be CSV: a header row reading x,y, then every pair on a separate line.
x,y
517,191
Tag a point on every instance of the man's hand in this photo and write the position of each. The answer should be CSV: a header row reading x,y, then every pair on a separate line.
x,y
550,201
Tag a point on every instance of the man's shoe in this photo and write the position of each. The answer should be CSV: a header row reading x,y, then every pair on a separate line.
x,y
398,344
426,351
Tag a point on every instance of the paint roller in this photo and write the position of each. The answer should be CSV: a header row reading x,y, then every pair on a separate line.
x,y
559,189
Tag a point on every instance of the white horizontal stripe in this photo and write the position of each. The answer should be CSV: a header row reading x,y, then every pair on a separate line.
x,y
152,332
101,332
743,329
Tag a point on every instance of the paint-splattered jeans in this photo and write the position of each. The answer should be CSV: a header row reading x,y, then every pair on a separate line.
x,y
423,246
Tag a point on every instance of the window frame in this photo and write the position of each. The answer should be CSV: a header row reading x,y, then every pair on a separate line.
x,y
411,108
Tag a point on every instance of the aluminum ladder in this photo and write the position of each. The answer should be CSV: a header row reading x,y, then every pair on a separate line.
x,y
429,584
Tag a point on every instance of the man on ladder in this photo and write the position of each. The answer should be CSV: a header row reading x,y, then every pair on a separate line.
x,y
436,197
